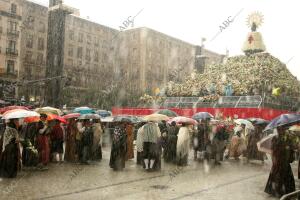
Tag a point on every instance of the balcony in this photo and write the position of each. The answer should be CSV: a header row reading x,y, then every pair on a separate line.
x,y
11,52
13,33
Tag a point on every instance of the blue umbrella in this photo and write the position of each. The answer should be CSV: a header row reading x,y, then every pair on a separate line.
x,y
103,113
283,120
83,110
202,115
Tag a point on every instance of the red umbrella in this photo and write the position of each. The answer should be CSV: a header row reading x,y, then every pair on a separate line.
x,y
180,120
3,110
51,117
71,115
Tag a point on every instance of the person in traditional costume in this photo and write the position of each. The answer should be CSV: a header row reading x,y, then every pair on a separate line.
x,y
43,142
30,153
236,144
253,139
119,147
57,141
219,143
281,180
171,143
87,141
10,155
97,141
151,149
71,132
139,144
183,143
130,137
78,140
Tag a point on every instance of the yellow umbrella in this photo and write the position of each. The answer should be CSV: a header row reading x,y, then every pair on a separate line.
x,y
46,110
156,117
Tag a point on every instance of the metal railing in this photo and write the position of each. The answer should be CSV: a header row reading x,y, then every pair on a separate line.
x,y
13,33
11,51
291,196
224,101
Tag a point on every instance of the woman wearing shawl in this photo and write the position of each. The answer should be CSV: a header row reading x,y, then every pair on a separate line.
x,y
57,139
253,139
218,143
119,148
170,150
97,141
71,132
139,145
29,153
183,143
10,155
236,144
281,180
130,138
42,141
152,156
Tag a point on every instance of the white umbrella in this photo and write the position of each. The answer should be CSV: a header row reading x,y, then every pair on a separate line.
x,y
107,119
247,123
16,114
265,144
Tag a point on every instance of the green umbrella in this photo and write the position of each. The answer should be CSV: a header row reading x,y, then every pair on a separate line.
x,y
167,112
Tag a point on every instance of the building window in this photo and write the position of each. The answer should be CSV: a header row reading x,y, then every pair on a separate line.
x,y
13,8
30,22
71,35
96,56
29,41
41,44
79,52
89,39
42,27
12,26
80,37
70,62
10,68
96,42
28,57
70,51
88,55
12,45
40,59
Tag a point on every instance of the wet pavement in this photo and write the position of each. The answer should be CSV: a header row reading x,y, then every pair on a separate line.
x,y
233,180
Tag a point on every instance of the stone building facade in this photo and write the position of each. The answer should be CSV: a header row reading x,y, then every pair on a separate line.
x,y
149,59
90,57
10,22
33,54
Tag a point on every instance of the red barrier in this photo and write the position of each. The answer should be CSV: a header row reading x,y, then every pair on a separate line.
x,y
265,113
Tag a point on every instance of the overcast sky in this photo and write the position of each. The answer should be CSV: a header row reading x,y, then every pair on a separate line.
x,y
191,20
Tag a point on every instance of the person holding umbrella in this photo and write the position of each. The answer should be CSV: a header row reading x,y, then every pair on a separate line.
x,y
57,140
252,150
281,180
119,147
183,143
87,140
43,142
151,135
10,155
71,133
97,140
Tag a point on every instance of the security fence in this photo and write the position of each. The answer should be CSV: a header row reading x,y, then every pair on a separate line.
x,y
257,101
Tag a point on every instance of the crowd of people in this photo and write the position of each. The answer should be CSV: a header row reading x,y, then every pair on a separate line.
x,y
38,143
